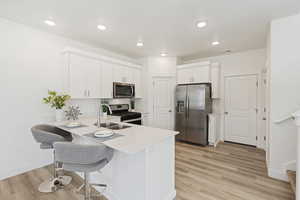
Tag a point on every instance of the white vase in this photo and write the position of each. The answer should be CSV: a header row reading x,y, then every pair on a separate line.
x,y
104,115
59,115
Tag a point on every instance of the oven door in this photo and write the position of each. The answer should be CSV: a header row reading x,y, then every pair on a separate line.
x,y
123,90
137,121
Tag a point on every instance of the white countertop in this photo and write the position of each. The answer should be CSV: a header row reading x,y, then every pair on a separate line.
x,y
134,139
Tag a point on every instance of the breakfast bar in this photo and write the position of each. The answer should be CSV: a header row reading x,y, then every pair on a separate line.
x,y
143,165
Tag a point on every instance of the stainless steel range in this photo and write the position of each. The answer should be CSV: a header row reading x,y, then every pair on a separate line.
x,y
122,110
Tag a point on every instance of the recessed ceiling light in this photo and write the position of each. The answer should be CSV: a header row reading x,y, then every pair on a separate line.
x,y
101,27
163,54
50,22
139,44
215,43
201,24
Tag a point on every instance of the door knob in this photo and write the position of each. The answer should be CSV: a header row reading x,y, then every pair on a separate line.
x,y
170,110
226,113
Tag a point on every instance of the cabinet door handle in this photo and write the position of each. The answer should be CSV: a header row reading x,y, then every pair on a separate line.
x,y
88,92
85,93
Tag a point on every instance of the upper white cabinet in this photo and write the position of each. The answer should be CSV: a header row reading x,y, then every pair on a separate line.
x,y
203,72
84,77
91,75
122,74
215,80
107,80
137,80
193,73
131,75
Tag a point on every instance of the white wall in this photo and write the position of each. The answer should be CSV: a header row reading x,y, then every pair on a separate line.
x,y
31,63
153,67
284,93
249,62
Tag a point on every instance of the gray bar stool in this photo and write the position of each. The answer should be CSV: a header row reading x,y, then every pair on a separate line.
x,y
46,135
83,158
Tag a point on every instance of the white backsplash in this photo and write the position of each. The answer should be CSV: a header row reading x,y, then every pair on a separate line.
x,y
88,107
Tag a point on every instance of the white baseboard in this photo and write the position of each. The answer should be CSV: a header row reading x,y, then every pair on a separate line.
x,y
277,174
171,196
292,165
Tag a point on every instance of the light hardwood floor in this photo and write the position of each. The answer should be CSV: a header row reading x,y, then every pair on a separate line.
x,y
228,172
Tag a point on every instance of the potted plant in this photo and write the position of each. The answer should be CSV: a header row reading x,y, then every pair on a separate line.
x,y
58,102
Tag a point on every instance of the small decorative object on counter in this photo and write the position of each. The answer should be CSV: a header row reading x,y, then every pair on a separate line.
x,y
73,113
58,102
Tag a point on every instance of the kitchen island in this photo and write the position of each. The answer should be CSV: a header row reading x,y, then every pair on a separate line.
x,y
143,166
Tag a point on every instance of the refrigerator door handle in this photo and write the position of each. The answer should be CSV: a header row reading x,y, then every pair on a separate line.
x,y
188,107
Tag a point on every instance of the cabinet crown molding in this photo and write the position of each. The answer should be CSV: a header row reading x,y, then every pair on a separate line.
x,y
100,57
197,64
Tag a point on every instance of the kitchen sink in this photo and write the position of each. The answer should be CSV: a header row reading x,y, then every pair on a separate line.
x,y
113,126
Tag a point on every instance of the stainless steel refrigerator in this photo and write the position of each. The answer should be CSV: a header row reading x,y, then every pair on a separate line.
x,y
193,104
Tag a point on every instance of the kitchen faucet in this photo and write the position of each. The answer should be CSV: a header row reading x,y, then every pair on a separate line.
x,y
99,113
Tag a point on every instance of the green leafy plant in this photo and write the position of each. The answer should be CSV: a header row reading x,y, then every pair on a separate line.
x,y
104,109
56,101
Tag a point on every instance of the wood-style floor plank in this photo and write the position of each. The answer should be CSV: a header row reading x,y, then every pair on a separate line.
x,y
228,172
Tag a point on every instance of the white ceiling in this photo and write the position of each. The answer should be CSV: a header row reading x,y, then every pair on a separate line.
x,y
163,25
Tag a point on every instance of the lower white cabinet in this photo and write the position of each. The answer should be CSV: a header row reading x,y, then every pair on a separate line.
x,y
212,130
146,119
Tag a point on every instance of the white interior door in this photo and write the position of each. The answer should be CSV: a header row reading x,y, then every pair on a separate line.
x,y
163,93
241,109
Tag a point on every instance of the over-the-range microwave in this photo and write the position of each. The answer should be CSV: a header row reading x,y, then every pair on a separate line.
x,y
123,90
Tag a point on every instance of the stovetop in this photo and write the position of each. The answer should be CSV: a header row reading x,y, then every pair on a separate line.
x,y
126,115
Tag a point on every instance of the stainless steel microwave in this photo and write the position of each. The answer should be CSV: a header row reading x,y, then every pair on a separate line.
x,y
123,90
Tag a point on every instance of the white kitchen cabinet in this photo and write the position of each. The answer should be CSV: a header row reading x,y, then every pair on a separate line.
x,y
145,119
137,81
89,75
215,80
84,77
204,72
193,73
212,130
201,74
122,74
107,80
184,76
77,81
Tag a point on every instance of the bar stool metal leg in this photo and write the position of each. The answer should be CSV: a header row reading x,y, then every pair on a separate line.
x,y
87,189
55,182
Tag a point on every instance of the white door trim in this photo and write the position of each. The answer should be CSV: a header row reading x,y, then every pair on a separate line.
x,y
224,104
